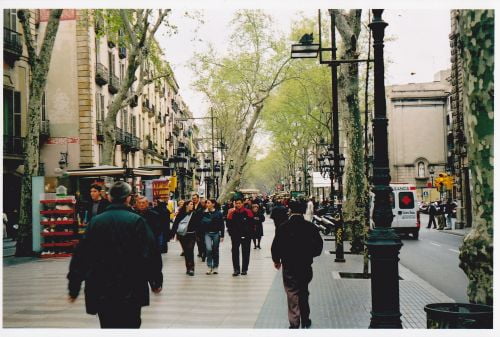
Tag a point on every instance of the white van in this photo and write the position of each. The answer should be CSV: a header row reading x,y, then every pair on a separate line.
x,y
404,209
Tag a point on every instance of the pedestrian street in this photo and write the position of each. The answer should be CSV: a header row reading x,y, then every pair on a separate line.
x,y
34,294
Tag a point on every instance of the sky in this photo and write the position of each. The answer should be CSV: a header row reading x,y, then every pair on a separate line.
x,y
415,48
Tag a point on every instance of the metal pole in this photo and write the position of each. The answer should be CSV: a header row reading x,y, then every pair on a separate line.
x,y
339,230
383,243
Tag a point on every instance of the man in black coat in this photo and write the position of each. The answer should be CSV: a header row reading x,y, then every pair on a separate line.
x,y
279,214
151,216
239,227
117,259
295,244
97,204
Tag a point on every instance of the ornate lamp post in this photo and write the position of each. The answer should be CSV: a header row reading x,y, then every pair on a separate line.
x,y
383,243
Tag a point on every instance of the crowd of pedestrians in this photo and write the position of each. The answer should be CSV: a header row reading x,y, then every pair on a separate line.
x,y
119,257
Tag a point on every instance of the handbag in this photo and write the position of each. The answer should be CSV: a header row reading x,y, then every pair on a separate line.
x,y
183,225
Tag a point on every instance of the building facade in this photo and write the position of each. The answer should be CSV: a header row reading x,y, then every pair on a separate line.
x,y
418,126
84,76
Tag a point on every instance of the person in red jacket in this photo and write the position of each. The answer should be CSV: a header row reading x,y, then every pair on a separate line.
x,y
239,227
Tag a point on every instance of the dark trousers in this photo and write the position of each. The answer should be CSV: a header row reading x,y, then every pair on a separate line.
x,y
296,282
432,220
187,242
245,252
120,316
200,242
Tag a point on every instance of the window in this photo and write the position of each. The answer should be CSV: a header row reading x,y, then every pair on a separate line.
x,y
99,106
406,200
97,50
44,108
111,59
11,113
101,148
122,71
421,169
10,19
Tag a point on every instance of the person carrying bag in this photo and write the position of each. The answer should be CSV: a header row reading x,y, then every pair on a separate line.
x,y
185,229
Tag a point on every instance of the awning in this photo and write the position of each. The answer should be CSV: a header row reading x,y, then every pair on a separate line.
x,y
100,171
319,180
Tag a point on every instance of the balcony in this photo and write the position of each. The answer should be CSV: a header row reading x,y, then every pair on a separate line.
x,y
100,130
163,120
12,46
135,144
151,112
114,84
44,129
175,107
119,136
176,130
134,101
122,52
145,106
13,146
101,74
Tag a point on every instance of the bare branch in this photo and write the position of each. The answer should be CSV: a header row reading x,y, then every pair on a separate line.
x,y
24,16
128,28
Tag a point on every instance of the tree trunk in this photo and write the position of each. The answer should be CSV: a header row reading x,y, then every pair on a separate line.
x,y
476,255
39,69
241,156
356,189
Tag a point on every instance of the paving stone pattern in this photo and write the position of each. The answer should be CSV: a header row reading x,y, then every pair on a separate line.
x,y
35,294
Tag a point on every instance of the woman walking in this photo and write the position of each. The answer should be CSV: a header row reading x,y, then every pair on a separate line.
x,y
212,224
185,229
256,222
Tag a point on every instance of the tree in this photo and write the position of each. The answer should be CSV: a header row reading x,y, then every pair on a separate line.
x,y
349,26
476,34
135,30
39,67
238,85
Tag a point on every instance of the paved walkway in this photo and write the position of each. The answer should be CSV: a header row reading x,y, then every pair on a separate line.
x,y
34,294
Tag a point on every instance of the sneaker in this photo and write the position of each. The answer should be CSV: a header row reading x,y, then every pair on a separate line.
x,y
209,271
215,271
236,273
243,273
190,272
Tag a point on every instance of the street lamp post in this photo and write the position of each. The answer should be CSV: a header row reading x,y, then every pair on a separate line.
x,y
383,243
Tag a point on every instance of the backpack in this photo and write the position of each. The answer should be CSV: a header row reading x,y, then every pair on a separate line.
x,y
183,225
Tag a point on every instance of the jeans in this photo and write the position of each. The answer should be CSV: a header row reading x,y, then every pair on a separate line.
x,y
212,240
449,221
187,242
245,252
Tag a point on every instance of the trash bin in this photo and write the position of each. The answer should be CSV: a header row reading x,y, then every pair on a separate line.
x,y
459,316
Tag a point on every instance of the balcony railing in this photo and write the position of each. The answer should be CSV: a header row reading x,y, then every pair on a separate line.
x,y
176,130
12,46
135,143
101,74
122,52
119,136
44,129
114,84
13,145
134,101
151,112
100,130
145,106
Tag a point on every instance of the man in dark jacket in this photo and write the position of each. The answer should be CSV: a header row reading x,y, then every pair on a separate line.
x,y
239,228
97,204
117,259
295,244
279,214
151,216
164,215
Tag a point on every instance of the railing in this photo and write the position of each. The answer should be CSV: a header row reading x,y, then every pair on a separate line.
x,y
44,128
12,42
152,111
135,143
176,130
114,84
13,145
145,106
122,52
101,74
134,101
119,136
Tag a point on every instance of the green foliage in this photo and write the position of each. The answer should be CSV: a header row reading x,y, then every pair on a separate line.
x,y
476,34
